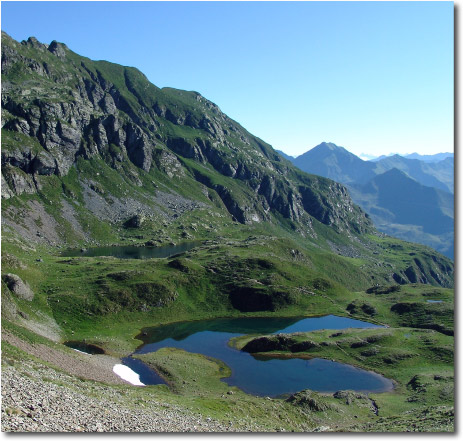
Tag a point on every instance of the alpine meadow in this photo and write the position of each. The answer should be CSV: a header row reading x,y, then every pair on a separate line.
x,y
165,270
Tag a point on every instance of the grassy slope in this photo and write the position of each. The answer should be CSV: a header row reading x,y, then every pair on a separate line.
x,y
75,293
419,361
86,297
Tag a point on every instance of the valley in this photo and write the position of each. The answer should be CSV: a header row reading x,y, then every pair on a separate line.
x,y
405,197
96,159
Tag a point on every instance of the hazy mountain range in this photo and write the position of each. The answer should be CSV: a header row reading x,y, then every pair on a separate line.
x,y
426,158
408,197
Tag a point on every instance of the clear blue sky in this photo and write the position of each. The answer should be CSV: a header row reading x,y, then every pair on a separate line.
x,y
372,77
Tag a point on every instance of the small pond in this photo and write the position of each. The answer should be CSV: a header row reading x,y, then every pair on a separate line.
x,y
266,376
84,347
434,301
132,251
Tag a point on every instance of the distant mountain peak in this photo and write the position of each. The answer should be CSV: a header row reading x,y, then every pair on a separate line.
x,y
395,174
430,158
329,146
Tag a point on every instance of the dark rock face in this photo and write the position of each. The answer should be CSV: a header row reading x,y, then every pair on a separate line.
x,y
303,346
44,164
359,344
266,344
179,264
135,221
93,113
383,289
278,342
357,307
257,298
369,352
186,148
58,49
425,316
17,286
326,201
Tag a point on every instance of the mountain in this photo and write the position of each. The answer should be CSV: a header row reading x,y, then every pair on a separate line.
x,y
425,158
432,174
98,162
430,158
78,110
288,157
90,145
372,186
402,207
334,162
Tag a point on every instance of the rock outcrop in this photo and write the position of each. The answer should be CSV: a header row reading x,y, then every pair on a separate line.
x,y
66,118
18,287
279,342
80,108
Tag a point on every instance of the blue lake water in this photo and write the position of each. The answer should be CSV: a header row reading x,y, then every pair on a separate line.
x,y
132,251
147,375
266,375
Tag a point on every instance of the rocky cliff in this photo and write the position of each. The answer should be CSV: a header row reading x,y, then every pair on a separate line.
x,y
58,107
87,146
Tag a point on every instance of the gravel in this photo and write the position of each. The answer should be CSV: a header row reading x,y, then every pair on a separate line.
x,y
36,398
90,367
61,390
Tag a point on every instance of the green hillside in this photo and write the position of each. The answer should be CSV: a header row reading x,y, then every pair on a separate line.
x,y
93,154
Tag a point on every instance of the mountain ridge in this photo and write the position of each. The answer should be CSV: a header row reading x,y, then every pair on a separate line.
x,y
146,124
88,146
423,177
94,156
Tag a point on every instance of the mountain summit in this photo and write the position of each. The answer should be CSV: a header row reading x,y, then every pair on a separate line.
x,y
92,152
335,162
389,189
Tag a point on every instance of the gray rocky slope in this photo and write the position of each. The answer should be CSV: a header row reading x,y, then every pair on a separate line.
x,y
59,107
87,145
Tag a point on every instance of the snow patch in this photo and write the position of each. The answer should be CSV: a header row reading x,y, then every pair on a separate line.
x,y
127,374
82,352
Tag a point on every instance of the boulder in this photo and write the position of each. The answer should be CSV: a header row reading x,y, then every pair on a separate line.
x,y
135,221
17,286
309,400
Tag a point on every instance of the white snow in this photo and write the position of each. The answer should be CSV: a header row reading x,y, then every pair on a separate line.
x,y
82,352
127,374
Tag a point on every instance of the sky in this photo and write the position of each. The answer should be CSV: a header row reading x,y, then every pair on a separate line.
x,y
373,77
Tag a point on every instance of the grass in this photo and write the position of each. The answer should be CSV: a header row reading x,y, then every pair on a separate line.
x,y
419,361
86,298
286,265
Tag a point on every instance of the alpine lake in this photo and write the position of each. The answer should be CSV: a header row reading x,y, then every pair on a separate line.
x,y
260,375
